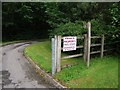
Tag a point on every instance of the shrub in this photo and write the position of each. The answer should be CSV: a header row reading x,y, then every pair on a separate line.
x,y
69,29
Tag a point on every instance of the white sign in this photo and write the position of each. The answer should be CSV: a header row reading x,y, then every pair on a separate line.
x,y
69,43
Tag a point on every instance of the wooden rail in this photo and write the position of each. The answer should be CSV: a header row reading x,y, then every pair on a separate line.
x,y
112,43
56,49
94,52
77,55
80,37
77,38
95,37
91,37
109,49
71,56
76,47
92,45
80,46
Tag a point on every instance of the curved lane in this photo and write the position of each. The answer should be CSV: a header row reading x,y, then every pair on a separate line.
x,y
16,71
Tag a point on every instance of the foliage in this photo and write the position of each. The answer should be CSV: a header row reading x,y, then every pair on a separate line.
x,y
21,13
108,21
23,20
98,27
33,20
114,10
100,14
70,12
69,29
115,24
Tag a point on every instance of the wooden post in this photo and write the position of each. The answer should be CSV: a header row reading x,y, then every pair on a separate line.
x,y
85,48
53,57
102,46
58,53
54,54
89,43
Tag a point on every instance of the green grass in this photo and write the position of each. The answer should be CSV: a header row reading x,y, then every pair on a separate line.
x,y
102,73
41,54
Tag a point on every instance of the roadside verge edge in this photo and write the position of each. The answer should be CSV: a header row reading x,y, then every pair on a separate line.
x,y
47,77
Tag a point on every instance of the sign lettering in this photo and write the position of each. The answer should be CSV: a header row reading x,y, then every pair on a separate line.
x,y
69,43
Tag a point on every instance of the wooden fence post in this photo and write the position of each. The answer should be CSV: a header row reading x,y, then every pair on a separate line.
x,y
58,53
85,48
53,57
89,43
102,46
54,54
55,51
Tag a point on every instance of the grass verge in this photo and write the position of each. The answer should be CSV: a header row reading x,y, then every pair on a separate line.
x,y
102,73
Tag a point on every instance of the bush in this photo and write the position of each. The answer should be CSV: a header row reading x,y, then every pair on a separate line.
x,y
77,28
97,28
69,29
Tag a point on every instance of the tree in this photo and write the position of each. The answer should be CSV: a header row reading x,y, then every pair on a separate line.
x,y
62,13
28,19
37,18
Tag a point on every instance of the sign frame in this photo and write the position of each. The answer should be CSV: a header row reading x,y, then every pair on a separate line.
x,y
69,43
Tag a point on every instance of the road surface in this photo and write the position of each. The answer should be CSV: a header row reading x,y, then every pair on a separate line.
x,y
16,71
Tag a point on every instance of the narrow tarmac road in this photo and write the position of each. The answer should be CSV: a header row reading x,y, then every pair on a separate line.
x,y
16,71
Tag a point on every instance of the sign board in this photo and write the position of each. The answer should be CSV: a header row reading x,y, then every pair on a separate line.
x,y
69,43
